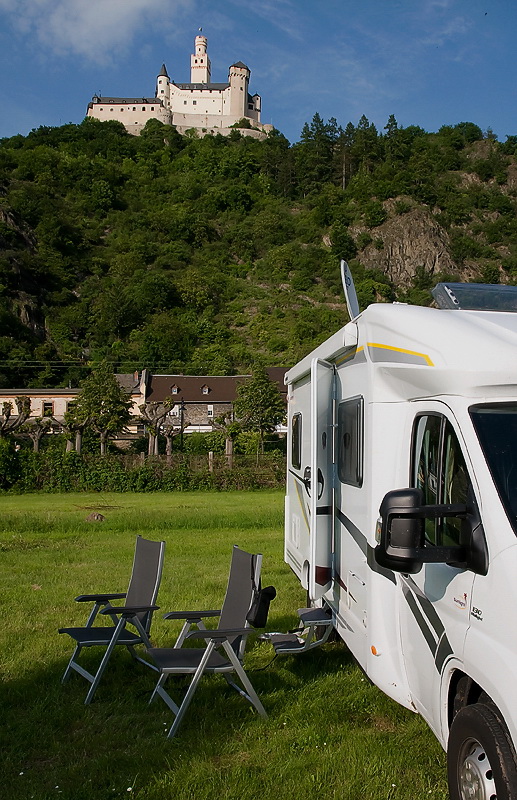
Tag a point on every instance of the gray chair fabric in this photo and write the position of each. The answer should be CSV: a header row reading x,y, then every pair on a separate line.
x,y
224,647
137,611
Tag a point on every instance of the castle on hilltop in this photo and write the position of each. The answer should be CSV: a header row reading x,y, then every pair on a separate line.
x,y
205,106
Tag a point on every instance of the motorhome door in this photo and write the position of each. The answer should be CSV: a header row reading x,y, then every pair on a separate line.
x,y
322,477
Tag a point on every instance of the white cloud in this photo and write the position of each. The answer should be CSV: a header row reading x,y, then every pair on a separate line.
x,y
94,29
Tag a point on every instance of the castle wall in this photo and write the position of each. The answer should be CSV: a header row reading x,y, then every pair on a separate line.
x,y
131,114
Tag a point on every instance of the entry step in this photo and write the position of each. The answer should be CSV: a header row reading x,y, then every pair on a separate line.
x,y
315,629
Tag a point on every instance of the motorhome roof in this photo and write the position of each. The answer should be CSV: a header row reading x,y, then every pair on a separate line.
x,y
417,345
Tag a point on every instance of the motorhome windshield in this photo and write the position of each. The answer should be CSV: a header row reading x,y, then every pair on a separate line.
x,y
496,427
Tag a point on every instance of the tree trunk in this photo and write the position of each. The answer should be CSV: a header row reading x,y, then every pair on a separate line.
x,y
78,441
150,444
104,441
69,445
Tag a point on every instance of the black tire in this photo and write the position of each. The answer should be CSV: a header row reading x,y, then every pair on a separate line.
x,y
481,761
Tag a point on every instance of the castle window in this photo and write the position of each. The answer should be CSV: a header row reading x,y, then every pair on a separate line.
x,y
250,106
194,102
122,109
184,102
161,91
134,108
143,108
111,109
152,108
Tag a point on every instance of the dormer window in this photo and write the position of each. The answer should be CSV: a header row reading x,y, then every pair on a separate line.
x,y
205,389
175,389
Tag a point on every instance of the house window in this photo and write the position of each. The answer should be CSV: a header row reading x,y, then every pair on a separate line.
x,y
47,409
210,411
350,441
175,411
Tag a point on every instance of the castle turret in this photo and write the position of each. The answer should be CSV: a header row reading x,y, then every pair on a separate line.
x,y
199,62
239,78
163,87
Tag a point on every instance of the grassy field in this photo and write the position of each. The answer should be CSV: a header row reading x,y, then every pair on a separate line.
x,y
329,732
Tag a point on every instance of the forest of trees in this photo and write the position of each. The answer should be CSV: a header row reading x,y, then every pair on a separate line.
x,y
195,255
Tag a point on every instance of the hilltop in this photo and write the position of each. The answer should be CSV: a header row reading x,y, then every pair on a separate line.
x,y
194,255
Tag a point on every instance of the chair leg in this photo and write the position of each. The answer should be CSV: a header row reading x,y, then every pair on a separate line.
x,y
191,689
106,657
250,693
70,666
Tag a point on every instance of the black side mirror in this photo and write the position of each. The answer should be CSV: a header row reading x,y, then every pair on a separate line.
x,y
402,535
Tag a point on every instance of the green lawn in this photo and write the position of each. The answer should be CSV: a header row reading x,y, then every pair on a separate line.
x,y
329,733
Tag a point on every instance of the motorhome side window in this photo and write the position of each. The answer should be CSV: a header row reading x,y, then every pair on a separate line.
x,y
496,427
296,442
439,469
350,442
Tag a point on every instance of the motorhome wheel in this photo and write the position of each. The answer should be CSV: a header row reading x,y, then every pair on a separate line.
x,y
480,758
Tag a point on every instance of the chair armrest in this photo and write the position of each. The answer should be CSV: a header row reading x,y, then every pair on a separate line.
x,y
191,614
127,611
220,633
99,598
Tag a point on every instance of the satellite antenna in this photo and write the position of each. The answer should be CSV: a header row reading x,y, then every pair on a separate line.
x,y
352,302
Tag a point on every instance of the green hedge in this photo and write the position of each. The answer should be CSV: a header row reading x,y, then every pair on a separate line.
x,y
54,471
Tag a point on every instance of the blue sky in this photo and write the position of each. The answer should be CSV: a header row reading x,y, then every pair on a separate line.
x,y
428,62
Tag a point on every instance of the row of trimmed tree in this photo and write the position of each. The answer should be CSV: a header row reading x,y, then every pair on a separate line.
x,y
103,406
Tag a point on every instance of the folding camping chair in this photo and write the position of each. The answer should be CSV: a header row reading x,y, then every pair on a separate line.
x,y
137,611
224,649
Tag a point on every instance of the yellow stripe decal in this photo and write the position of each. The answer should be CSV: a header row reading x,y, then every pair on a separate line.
x,y
401,350
348,356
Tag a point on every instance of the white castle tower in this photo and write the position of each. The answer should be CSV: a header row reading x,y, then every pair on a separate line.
x,y
201,104
199,62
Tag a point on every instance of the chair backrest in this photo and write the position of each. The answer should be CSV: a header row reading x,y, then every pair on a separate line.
x,y
243,579
145,577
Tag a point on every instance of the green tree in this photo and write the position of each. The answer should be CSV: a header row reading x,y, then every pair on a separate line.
x,y
103,403
259,405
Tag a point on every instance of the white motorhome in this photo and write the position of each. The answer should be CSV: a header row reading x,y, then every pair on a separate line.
x,y
401,513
